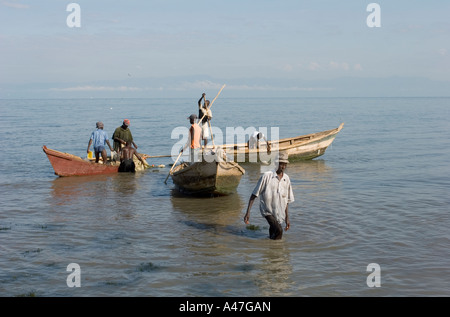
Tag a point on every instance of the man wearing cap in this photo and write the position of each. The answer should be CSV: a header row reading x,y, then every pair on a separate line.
x,y
195,134
275,192
99,137
121,135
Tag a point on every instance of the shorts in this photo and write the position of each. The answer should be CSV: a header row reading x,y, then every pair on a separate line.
x,y
127,166
99,148
205,130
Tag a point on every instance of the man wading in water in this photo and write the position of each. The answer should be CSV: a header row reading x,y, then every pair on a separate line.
x,y
275,191
126,159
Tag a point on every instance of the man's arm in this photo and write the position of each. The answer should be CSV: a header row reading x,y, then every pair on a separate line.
x,y
288,224
130,137
89,145
110,147
250,204
117,139
191,135
200,100
140,158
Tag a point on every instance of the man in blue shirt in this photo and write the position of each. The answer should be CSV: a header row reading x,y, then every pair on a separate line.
x,y
99,138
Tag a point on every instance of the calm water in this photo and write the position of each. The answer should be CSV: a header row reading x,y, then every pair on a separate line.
x,y
380,194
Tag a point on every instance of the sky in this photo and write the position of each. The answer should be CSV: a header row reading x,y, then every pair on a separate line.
x,y
174,48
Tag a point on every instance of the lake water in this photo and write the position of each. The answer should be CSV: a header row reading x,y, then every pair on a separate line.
x,y
380,194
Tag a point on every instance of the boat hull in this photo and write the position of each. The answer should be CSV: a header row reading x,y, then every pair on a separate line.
x,y
218,178
305,147
65,164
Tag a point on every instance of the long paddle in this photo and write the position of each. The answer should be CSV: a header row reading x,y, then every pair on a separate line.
x,y
212,102
146,156
165,181
210,131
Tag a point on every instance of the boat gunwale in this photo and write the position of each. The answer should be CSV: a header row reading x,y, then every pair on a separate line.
x,y
62,155
312,137
225,165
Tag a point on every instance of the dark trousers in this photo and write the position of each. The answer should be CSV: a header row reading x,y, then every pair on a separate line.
x,y
275,229
127,166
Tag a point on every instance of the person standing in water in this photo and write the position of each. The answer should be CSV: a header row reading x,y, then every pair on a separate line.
x,y
126,158
275,192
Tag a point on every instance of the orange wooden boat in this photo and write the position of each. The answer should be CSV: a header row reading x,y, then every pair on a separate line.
x,y
66,164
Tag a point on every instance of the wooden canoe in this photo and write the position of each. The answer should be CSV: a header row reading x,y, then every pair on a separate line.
x,y
303,147
65,164
217,178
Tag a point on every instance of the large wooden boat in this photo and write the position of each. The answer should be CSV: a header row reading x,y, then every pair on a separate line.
x,y
65,164
303,147
217,178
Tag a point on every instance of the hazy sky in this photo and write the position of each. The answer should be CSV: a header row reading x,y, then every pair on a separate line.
x,y
143,47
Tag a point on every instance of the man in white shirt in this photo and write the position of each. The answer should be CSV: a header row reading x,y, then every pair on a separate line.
x,y
204,112
255,139
275,192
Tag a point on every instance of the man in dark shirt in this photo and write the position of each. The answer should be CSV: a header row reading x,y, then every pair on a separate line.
x,y
122,135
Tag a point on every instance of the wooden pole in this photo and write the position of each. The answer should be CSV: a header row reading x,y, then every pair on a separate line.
x,y
212,102
146,156
165,181
210,131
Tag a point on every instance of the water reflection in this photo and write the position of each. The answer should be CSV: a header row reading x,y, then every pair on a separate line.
x,y
95,193
312,170
275,277
68,190
254,171
123,194
125,184
215,211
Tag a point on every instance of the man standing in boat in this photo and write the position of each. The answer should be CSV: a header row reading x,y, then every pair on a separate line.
x,y
195,134
122,135
275,192
255,140
204,112
100,138
126,159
